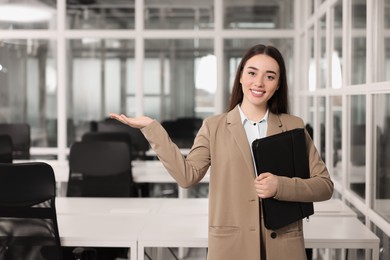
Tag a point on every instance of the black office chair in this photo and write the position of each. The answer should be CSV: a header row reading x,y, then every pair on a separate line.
x,y
6,149
28,221
100,169
183,130
108,136
139,143
21,139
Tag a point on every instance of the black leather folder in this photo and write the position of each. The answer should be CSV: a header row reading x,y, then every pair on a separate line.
x,y
283,154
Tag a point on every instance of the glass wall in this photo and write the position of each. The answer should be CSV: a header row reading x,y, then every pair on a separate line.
x,y
335,165
345,97
248,14
85,59
93,98
28,92
358,41
179,14
357,144
181,78
381,130
103,15
336,72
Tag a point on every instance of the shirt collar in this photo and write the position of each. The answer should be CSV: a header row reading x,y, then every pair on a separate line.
x,y
245,119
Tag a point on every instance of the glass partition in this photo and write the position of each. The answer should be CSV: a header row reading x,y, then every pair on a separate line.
x,y
358,41
381,131
322,125
28,92
383,41
248,14
323,69
102,15
180,78
111,89
312,71
179,14
386,49
309,121
357,145
337,52
336,133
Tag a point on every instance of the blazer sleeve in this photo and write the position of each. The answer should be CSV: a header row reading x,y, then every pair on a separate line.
x,y
318,187
187,171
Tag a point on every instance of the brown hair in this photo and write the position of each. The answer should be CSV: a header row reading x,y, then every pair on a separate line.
x,y
279,101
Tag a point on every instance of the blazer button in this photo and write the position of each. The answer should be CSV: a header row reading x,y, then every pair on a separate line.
x,y
273,235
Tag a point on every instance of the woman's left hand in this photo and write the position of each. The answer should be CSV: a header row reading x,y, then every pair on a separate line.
x,y
266,185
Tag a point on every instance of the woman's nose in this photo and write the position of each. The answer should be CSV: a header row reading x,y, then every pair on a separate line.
x,y
259,81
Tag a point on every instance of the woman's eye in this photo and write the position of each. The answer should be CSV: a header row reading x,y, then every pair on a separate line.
x,y
270,77
251,73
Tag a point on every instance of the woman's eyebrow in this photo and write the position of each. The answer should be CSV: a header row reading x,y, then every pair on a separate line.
x,y
268,71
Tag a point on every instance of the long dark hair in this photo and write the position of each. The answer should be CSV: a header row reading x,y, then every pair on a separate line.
x,y
278,103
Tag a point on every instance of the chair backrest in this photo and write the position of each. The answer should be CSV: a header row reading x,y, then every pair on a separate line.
x,y
183,130
139,143
21,139
108,136
5,149
100,169
28,220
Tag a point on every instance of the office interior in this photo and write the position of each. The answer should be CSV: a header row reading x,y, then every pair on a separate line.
x,y
65,64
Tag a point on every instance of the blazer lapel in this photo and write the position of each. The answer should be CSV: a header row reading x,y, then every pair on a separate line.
x,y
275,125
236,128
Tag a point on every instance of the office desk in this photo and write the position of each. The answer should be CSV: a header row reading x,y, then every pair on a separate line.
x,y
107,206
109,230
320,232
333,207
169,206
340,232
104,222
137,223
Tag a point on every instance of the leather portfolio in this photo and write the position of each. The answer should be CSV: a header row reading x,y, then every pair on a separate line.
x,y
283,154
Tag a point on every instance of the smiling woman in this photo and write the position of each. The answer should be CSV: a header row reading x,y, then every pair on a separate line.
x,y
223,144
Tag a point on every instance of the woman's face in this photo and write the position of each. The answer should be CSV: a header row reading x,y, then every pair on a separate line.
x,y
259,80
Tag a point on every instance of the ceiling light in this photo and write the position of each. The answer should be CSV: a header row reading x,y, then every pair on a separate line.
x,y
25,11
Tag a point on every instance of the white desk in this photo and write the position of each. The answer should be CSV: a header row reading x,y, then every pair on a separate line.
x,y
109,230
104,222
320,232
107,206
340,232
332,208
169,206
137,223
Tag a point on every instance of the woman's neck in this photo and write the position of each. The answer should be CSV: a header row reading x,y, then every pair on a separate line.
x,y
253,113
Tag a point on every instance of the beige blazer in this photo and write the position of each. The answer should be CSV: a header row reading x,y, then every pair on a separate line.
x,y
236,229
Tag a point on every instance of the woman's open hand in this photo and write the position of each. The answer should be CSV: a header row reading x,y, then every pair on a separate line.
x,y
136,122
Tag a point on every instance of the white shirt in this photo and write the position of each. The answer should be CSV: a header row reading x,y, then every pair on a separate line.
x,y
254,130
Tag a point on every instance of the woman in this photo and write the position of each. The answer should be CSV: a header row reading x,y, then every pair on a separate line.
x,y
258,108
